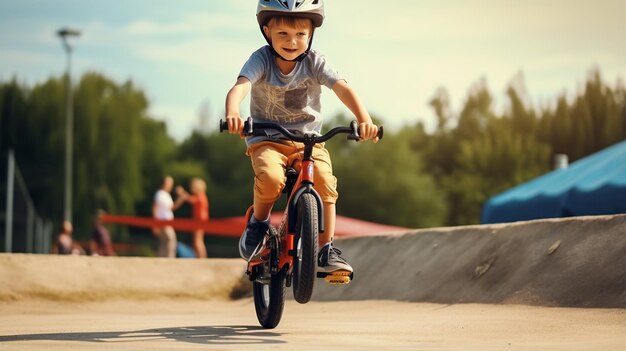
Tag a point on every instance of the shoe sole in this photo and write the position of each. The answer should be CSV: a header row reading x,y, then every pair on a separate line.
x,y
337,268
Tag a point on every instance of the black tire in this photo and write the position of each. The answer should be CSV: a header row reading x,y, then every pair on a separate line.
x,y
305,245
269,298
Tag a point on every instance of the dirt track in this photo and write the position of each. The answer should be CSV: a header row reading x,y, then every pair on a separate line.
x,y
353,325
58,303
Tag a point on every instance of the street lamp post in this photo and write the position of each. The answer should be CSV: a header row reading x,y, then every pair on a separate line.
x,y
64,33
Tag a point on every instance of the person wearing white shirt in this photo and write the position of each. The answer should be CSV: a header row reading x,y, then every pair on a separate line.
x,y
163,209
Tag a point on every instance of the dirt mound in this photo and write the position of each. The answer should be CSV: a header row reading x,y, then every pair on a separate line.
x,y
577,262
83,278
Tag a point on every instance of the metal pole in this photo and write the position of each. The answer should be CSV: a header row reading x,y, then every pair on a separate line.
x,y
8,224
38,235
69,142
69,125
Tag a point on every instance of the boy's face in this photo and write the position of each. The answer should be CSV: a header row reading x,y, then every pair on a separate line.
x,y
290,42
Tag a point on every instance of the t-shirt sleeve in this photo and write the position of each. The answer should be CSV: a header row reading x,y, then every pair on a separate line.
x,y
255,67
325,74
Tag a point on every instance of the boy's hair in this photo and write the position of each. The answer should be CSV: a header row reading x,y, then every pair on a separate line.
x,y
290,21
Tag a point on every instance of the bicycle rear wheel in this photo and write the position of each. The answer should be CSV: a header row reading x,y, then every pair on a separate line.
x,y
269,300
305,243
269,294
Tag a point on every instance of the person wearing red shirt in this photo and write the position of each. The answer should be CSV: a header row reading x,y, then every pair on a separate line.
x,y
200,209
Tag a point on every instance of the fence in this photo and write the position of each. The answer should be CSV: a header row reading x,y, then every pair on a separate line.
x,y
23,230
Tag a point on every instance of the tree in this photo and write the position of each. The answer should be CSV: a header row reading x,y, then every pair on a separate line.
x,y
386,183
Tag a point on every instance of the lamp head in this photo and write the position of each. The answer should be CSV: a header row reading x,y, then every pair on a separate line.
x,y
68,32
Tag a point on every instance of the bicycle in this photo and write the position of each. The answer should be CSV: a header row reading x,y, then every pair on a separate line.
x,y
287,256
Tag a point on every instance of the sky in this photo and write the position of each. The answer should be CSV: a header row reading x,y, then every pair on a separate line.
x,y
185,55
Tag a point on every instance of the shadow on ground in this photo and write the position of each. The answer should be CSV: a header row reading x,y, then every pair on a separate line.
x,y
207,335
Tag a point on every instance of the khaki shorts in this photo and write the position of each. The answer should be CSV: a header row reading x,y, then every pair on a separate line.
x,y
270,159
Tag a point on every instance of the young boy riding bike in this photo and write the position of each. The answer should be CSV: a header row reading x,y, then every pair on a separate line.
x,y
285,79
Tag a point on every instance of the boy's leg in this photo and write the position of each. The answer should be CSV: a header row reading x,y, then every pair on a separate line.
x,y
329,225
268,161
329,257
262,209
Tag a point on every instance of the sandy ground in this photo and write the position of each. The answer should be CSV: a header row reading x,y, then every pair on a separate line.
x,y
351,325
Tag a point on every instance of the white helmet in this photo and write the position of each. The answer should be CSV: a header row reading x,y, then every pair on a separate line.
x,y
312,9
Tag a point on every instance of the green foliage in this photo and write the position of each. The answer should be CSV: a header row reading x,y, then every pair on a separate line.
x,y
486,154
227,171
490,164
596,119
114,182
111,157
385,183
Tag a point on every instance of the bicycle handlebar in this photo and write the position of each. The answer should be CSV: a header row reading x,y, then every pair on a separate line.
x,y
261,129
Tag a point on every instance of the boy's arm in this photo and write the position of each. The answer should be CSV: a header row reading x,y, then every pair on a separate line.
x,y
347,95
233,100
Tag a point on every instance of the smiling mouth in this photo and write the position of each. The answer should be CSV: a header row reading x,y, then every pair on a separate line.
x,y
291,51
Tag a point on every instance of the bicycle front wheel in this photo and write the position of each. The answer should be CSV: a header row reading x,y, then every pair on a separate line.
x,y
305,243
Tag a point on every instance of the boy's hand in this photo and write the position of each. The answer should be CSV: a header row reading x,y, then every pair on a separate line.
x,y
368,131
235,124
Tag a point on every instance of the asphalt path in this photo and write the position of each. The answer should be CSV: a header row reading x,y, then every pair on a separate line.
x,y
353,325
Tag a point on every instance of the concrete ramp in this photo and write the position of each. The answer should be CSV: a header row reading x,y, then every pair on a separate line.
x,y
578,262
575,262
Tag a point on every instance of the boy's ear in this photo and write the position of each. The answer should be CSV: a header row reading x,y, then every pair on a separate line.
x,y
266,31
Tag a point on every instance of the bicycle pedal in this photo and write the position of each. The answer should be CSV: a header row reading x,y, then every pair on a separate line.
x,y
336,277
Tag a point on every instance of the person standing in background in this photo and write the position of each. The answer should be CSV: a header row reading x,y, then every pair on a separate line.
x,y
100,243
163,209
64,244
200,208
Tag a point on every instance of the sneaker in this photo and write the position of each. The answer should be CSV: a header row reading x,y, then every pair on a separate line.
x,y
329,260
252,237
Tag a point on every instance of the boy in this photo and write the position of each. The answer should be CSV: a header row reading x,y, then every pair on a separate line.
x,y
284,79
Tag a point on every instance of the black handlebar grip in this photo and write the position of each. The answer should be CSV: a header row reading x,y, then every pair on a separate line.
x,y
247,126
380,133
223,125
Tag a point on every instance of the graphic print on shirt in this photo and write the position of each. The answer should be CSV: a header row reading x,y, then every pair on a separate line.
x,y
288,105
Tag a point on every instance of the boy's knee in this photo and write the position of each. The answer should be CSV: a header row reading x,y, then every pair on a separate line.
x,y
268,184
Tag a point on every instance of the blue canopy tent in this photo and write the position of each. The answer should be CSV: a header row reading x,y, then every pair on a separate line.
x,y
593,185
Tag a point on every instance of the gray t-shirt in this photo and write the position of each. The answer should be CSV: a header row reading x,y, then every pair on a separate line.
x,y
291,100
